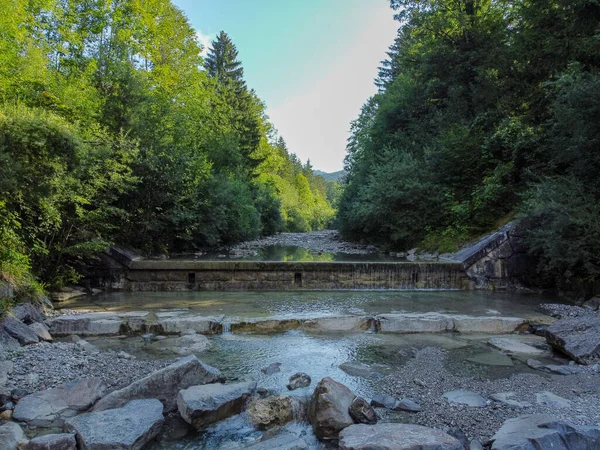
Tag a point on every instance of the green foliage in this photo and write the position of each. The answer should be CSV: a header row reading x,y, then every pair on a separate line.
x,y
111,131
490,106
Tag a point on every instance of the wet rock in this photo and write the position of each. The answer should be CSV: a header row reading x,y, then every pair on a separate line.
x,y
19,331
298,381
551,399
465,398
346,324
577,337
51,407
203,405
63,441
284,441
272,411
544,432
506,399
396,436
10,435
362,412
200,324
164,384
191,343
513,346
130,427
492,359
271,368
328,411
41,330
28,313
358,370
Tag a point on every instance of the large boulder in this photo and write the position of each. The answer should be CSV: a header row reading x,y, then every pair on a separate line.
x,y
543,431
578,337
329,407
41,330
63,441
10,435
51,407
7,342
19,331
271,411
164,384
191,343
203,405
28,312
129,428
396,436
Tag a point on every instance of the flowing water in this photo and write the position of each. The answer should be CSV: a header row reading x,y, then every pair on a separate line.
x,y
242,356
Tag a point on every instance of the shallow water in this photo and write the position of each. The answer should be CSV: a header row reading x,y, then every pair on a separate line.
x,y
305,303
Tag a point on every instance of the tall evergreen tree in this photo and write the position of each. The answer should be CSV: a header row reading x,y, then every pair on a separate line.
x,y
222,63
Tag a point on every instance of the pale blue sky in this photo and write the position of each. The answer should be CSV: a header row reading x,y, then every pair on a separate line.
x,y
311,61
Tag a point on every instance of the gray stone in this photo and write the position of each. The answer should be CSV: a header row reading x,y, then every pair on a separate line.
x,y
41,330
506,398
298,381
87,347
164,384
284,441
129,428
203,405
383,401
437,323
563,370
551,399
475,445
63,441
362,412
200,324
7,342
328,411
174,428
465,398
357,370
10,435
98,323
577,337
191,343
271,411
28,313
271,368
541,431
19,331
51,407
6,368
406,404
396,436
593,303
513,346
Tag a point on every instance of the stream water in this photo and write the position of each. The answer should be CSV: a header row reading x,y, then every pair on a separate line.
x,y
242,356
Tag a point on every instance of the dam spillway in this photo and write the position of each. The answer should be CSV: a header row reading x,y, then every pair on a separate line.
x,y
133,274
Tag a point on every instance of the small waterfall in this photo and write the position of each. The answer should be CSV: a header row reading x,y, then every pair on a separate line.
x,y
227,327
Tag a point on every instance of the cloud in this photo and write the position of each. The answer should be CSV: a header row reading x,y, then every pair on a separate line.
x,y
205,40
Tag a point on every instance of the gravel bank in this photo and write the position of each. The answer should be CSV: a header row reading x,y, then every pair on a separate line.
x,y
583,390
566,311
326,241
46,365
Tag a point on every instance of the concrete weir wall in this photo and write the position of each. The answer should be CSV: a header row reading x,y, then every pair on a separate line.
x,y
173,275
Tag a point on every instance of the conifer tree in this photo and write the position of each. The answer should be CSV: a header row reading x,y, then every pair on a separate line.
x,y
222,63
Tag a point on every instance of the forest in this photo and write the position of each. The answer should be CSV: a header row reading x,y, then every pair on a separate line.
x,y
115,129
487,110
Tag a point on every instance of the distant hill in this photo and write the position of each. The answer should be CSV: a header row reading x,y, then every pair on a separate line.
x,y
331,176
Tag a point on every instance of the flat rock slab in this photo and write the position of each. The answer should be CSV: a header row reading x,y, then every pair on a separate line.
x,y
99,323
129,428
164,384
513,346
285,441
179,324
63,441
51,407
577,337
543,431
19,331
10,435
358,370
551,399
492,359
438,323
507,399
396,436
468,398
203,405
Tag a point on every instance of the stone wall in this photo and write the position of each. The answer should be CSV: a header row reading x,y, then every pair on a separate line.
x,y
497,261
